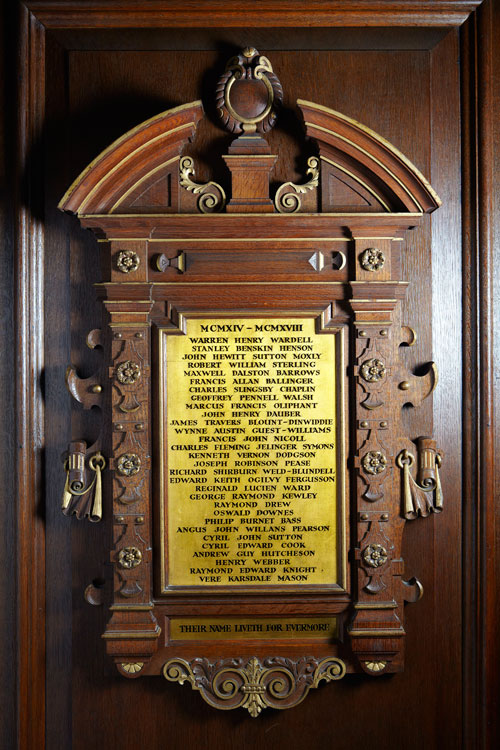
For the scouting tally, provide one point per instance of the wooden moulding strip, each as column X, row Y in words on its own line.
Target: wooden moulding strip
column 287, row 13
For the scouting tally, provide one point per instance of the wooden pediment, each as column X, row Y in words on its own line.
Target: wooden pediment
column 144, row 172
column 134, row 171
column 361, row 170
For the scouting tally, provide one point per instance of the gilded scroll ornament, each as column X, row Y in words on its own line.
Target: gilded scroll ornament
column 129, row 557
column 423, row 495
column 375, row 555
column 287, row 198
column 127, row 261
column 79, row 498
column 374, row 462
column 128, row 372
column 128, row 464
column 372, row 370
column 372, row 259
column 212, row 196
column 276, row 682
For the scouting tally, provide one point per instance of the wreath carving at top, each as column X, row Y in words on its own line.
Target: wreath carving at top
column 248, row 94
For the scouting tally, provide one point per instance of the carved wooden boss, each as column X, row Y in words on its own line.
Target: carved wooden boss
column 259, row 475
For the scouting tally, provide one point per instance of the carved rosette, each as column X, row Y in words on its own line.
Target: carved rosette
column 128, row 464
column 372, row 370
column 374, row 555
column 127, row 261
column 129, row 374
column 248, row 94
column 275, row 682
column 374, row 462
column 129, row 557
column 383, row 386
column 372, row 259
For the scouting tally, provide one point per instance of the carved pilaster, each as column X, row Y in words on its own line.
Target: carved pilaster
column 130, row 462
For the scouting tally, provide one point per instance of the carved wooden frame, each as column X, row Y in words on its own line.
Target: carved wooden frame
column 479, row 593
column 392, row 479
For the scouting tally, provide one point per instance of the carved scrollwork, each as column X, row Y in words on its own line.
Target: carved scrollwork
column 423, row 495
column 212, row 197
column 82, row 497
column 287, row 198
column 276, row 682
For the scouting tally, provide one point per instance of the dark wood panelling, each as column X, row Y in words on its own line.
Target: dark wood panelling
column 494, row 645
column 7, row 385
column 29, row 323
column 350, row 82
column 481, row 497
column 419, row 708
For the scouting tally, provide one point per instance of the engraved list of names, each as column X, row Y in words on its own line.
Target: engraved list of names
column 250, row 411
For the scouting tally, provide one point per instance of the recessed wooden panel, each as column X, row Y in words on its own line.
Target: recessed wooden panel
column 359, row 89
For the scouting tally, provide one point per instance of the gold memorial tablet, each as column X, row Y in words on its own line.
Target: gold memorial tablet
column 251, row 414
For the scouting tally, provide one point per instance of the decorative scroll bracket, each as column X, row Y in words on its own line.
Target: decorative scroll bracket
column 287, row 198
column 274, row 682
column 212, row 197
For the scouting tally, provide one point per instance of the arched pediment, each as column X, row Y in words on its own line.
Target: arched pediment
column 134, row 164
column 139, row 172
column 367, row 163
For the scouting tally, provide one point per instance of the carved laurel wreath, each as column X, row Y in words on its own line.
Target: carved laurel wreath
column 251, row 66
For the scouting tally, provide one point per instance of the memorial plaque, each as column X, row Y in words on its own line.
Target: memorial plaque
column 253, row 392
column 252, row 443
column 239, row 628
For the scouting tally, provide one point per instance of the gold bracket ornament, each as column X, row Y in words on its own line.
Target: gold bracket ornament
column 79, row 498
column 276, row 682
column 287, row 198
column 423, row 495
column 208, row 202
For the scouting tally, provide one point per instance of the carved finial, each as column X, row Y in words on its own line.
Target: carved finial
column 248, row 94
column 249, row 52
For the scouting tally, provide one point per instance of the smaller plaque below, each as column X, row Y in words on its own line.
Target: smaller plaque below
column 261, row 628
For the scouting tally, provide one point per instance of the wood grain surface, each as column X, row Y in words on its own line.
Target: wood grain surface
column 447, row 696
